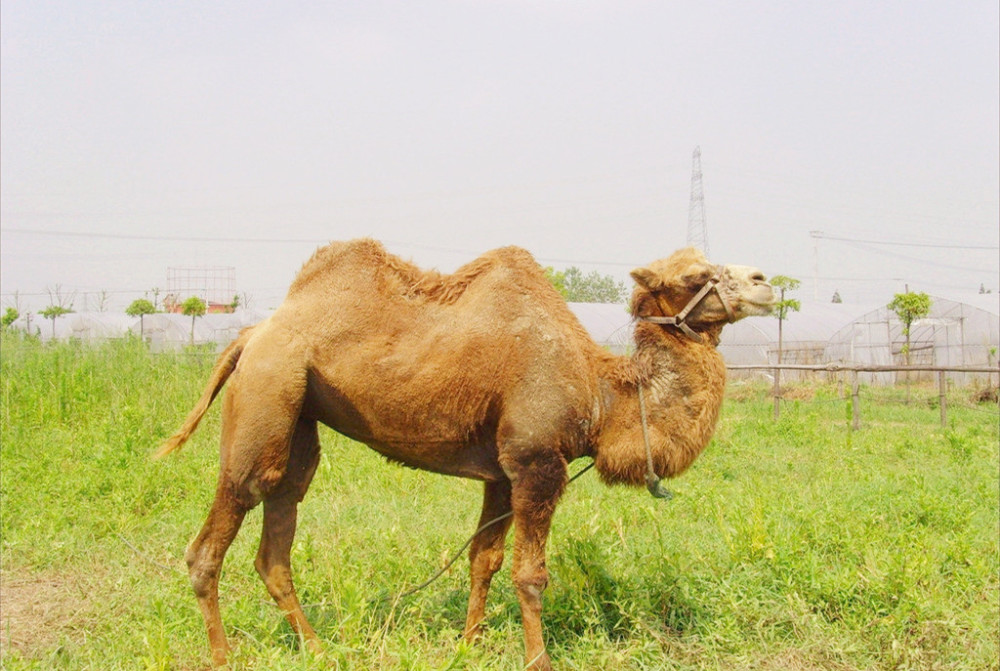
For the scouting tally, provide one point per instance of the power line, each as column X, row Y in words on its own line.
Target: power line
column 925, row 262
column 824, row 236
column 159, row 238
column 314, row 241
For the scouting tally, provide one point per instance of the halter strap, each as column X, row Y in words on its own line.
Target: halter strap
column 678, row 320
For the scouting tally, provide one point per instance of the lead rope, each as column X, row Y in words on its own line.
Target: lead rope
column 448, row 565
column 652, row 481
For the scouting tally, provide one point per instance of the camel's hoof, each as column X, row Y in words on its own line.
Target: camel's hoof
column 539, row 663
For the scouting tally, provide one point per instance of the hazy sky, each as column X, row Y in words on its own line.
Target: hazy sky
column 137, row 136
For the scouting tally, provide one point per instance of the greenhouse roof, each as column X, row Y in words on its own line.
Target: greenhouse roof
column 814, row 322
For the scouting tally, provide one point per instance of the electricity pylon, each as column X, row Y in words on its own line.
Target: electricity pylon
column 697, row 228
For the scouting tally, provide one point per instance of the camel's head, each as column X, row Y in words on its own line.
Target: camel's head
column 698, row 294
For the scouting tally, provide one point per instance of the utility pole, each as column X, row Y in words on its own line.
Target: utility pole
column 697, row 234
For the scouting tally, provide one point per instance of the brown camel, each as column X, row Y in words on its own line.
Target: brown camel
column 484, row 374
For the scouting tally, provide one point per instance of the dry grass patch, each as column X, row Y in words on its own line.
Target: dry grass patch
column 798, row 660
column 798, row 393
column 38, row 610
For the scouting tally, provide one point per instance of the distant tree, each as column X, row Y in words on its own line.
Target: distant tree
column 235, row 304
column 140, row 307
column 782, row 307
column 594, row 287
column 837, row 298
column 53, row 312
column 15, row 300
column 60, row 303
column 910, row 307
column 102, row 300
column 156, row 291
column 59, row 298
column 14, row 308
column 557, row 278
column 194, row 307
column 10, row 316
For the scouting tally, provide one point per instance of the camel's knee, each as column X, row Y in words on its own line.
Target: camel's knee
column 270, row 566
column 489, row 559
column 204, row 575
column 484, row 566
column 262, row 565
column 206, row 552
column 276, row 577
column 494, row 560
column 531, row 580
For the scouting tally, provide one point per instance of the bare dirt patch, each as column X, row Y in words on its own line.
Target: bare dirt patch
column 38, row 610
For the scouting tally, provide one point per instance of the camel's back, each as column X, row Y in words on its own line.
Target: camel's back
column 365, row 309
column 359, row 285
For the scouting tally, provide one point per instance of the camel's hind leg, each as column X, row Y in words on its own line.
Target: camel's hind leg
column 280, row 510
column 259, row 418
column 204, row 559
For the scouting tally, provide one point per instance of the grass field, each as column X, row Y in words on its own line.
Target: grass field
column 789, row 545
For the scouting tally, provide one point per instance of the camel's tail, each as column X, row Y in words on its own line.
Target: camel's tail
column 224, row 367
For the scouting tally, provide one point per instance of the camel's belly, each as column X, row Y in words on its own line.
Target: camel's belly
column 466, row 461
column 429, row 440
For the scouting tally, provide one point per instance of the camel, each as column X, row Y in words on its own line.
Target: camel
column 485, row 374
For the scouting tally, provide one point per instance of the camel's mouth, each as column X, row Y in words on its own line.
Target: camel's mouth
column 758, row 307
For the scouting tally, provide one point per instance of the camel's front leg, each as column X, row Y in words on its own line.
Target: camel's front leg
column 535, row 493
column 486, row 554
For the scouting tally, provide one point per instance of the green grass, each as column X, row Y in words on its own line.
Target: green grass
column 790, row 545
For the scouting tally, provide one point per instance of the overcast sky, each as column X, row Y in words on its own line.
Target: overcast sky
column 139, row 136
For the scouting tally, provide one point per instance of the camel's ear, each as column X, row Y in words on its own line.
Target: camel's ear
column 647, row 279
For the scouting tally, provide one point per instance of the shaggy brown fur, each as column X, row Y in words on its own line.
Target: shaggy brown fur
column 484, row 374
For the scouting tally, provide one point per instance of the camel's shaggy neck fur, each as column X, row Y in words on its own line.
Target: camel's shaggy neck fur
column 683, row 383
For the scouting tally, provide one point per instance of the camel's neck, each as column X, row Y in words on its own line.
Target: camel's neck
column 683, row 383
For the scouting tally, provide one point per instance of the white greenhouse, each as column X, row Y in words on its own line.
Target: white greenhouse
column 166, row 331
column 954, row 334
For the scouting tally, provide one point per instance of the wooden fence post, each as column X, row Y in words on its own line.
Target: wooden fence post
column 777, row 393
column 942, row 392
column 855, row 402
